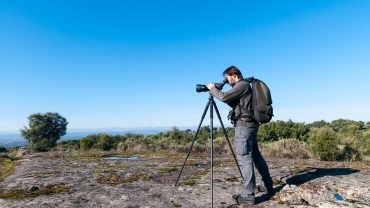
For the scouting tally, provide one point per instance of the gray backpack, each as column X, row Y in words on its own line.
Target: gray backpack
column 261, row 101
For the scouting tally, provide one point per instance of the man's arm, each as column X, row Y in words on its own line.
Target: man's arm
column 230, row 95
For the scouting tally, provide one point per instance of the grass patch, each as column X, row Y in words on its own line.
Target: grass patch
column 108, row 169
column 192, row 180
column 6, row 168
column 21, row 194
column 232, row 179
column 286, row 148
column 43, row 173
column 114, row 178
column 86, row 156
column 167, row 169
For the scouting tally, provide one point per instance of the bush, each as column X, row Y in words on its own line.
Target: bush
column 283, row 130
column 348, row 153
column 44, row 130
column 3, row 149
column 106, row 142
column 323, row 142
column 68, row 145
column 88, row 142
column 286, row 148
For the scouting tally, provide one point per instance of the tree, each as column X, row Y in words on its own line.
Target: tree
column 318, row 124
column 44, row 130
column 276, row 130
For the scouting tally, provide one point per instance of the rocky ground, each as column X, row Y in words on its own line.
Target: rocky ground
column 60, row 179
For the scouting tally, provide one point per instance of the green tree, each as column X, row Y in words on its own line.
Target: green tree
column 347, row 127
column 283, row 130
column 318, row 124
column 44, row 130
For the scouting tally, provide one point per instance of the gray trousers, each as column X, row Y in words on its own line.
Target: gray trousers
column 248, row 153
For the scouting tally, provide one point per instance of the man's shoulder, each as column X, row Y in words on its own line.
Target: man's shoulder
column 242, row 83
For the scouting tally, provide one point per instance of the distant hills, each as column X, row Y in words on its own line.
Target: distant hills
column 15, row 139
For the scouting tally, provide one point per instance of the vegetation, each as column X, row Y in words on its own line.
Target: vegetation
column 286, row 148
column 6, row 167
column 324, row 143
column 21, row 194
column 3, row 149
column 341, row 140
column 44, row 130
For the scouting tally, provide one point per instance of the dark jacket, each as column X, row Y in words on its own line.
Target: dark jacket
column 239, row 98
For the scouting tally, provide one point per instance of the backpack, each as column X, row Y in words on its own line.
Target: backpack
column 261, row 101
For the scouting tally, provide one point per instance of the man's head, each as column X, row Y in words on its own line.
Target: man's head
column 233, row 75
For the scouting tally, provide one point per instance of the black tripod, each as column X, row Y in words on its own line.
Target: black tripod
column 211, row 103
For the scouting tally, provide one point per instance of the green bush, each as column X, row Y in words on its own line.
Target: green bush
column 323, row 142
column 276, row 130
column 88, row 142
column 318, row 124
column 68, row 145
column 348, row 153
column 3, row 149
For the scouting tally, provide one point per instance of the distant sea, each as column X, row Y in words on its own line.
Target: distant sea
column 13, row 140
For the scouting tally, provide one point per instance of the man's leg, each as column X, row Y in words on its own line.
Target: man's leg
column 244, row 148
column 262, row 167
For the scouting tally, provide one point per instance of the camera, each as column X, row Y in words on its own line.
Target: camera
column 204, row 88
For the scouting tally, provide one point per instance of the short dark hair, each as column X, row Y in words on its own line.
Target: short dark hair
column 233, row 70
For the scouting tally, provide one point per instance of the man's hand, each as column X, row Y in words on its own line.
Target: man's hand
column 210, row 86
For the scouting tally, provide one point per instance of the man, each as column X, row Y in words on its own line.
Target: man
column 239, row 98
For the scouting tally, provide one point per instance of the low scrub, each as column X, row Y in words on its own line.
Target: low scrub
column 6, row 167
column 324, row 143
column 286, row 148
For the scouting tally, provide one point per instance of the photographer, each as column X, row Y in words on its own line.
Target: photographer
column 239, row 98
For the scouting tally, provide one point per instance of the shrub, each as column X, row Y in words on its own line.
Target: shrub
column 88, row 142
column 323, row 142
column 286, row 148
column 3, row 149
column 106, row 142
column 68, row 145
column 283, row 130
column 348, row 153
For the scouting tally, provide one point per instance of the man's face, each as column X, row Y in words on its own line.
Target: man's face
column 231, row 79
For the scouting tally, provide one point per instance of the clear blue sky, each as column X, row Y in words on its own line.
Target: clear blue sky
column 126, row 64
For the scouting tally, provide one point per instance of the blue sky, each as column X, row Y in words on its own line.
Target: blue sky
column 135, row 64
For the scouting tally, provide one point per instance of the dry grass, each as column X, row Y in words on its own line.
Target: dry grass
column 286, row 148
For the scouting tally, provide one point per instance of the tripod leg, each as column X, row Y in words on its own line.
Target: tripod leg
column 195, row 136
column 227, row 138
column 211, row 116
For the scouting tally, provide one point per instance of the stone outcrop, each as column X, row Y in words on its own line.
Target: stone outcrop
column 59, row 179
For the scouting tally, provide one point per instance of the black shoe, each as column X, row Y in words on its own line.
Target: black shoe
column 262, row 188
column 242, row 200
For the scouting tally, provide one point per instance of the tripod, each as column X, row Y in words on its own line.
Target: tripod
column 211, row 103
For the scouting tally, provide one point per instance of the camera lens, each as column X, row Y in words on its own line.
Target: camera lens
column 201, row 88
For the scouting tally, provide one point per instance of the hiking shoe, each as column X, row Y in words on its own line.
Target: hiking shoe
column 262, row 188
column 244, row 200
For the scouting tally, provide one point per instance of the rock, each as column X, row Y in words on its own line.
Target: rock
column 22, row 151
column 33, row 189
column 75, row 182
column 310, row 193
column 290, row 195
column 358, row 194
